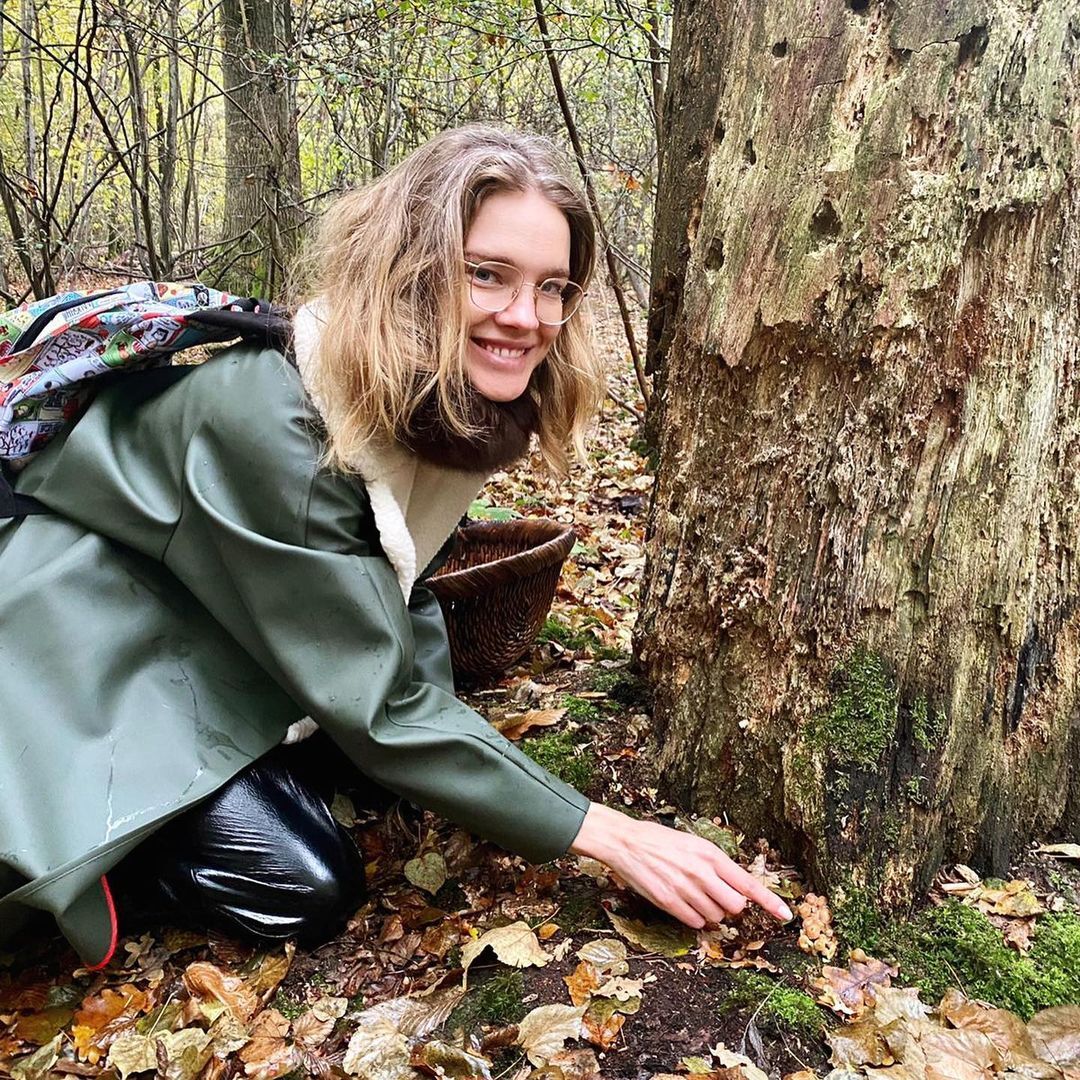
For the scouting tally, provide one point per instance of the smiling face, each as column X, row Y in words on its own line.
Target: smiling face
column 504, row 348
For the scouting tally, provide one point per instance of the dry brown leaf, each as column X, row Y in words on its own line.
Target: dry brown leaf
column 850, row 991
column 215, row 991
column 607, row 955
column 1055, row 1034
column 732, row 1061
column 379, row 1048
column 513, row 727
column 440, row 1059
column 1016, row 899
column 101, row 1018
column 515, row 945
column 898, row 1003
column 576, row 1064
column 582, row 982
column 962, row 1054
column 857, row 1044
column 1005, row 1029
column 437, row 940
column 269, row 1053
column 1060, row 851
column 602, row 1030
column 545, row 1030
column 310, row 1032
column 273, row 967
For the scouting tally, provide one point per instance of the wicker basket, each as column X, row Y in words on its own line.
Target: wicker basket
column 496, row 590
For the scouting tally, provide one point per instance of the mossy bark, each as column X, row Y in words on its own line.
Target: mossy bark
column 861, row 613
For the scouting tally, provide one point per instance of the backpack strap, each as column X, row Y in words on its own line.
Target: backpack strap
column 29, row 335
column 14, row 505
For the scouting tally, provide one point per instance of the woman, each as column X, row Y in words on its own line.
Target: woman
column 237, row 547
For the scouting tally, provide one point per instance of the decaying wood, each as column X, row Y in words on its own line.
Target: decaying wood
column 866, row 326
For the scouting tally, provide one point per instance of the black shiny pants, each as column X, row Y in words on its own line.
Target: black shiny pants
column 263, row 857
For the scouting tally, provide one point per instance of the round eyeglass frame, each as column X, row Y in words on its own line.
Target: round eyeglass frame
column 536, row 286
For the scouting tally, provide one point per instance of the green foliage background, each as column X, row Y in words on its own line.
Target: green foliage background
column 112, row 115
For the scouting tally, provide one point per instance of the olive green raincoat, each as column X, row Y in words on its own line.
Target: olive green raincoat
column 203, row 584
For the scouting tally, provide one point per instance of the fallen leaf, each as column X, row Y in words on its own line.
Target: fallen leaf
column 850, row 991
column 898, row 1003
column 620, row 989
column 1016, row 899
column 176, row 1055
column 602, row 1027
column 443, row 1060
column 576, row 1064
column 102, row 1017
column 36, row 1066
column 272, row 968
column 857, row 1044
column 1060, row 851
column 581, row 983
column 545, row 1030
column 513, row 727
column 42, row 1027
column 961, row 1054
column 729, row 1060
column 668, row 939
column 515, row 945
column 1055, row 1034
column 379, row 1048
column 607, row 955
column 1005, row 1029
column 428, row 872
column 215, row 991
column 269, row 1053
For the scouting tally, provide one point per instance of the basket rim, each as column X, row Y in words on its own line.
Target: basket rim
column 471, row 581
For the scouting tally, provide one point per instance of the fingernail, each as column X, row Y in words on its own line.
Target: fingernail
column 785, row 913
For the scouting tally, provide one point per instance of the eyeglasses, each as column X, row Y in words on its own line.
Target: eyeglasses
column 494, row 286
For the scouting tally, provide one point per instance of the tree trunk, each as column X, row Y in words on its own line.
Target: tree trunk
column 861, row 613
column 262, row 171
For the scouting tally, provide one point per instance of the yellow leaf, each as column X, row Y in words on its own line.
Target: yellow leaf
column 515, row 945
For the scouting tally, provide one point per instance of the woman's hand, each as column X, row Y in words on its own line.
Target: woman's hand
column 687, row 876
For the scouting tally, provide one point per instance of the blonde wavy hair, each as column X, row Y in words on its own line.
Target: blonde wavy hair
column 387, row 265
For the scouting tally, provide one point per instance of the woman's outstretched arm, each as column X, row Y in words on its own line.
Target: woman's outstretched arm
column 687, row 876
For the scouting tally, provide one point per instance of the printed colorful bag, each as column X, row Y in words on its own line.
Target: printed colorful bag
column 51, row 350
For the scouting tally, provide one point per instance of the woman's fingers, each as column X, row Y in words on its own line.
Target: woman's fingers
column 684, row 874
column 750, row 887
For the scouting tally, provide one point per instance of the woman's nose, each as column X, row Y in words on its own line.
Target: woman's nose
column 522, row 312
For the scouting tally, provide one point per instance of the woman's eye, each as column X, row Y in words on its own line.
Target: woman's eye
column 484, row 275
column 553, row 288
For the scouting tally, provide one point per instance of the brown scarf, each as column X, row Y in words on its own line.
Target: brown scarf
column 503, row 430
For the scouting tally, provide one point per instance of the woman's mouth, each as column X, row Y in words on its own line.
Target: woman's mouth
column 499, row 353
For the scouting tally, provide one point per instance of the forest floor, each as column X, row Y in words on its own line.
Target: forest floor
column 468, row 962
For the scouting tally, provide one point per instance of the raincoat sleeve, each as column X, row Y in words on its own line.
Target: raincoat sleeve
column 272, row 545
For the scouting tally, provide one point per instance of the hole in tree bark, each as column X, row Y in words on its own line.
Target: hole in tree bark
column 825, row 224
column 972, row 46
column 858, row 6
column 748, row 152
column 697, row 150
column 779, row 50
column 718, row 132
column 714, row 258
